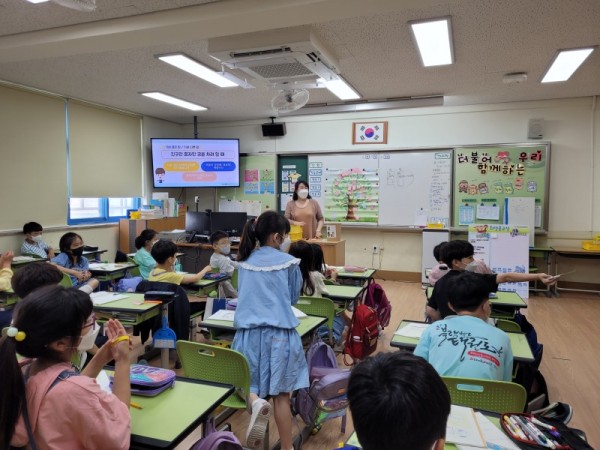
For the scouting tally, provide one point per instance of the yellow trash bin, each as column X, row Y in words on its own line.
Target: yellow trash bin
column 296, row 232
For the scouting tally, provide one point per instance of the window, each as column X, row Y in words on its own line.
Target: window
column 100, row 209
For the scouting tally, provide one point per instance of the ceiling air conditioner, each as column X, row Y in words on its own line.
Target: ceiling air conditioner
column 276, row 56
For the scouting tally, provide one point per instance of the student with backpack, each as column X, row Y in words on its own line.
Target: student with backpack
column 44, row 403
column 269, row 282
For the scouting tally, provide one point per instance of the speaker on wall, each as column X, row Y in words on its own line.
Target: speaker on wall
column 273, row 129
column 535, row 129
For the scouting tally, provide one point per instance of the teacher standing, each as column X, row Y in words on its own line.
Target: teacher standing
column 305, row 211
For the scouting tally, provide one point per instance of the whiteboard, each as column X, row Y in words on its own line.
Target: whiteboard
column 415, row 187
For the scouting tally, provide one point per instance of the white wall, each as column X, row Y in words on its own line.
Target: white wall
column 571, row 127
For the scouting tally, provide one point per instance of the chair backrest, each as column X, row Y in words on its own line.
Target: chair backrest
column 66, row 280
column 218, row 364
column 508, row 325
column 234, row 279
column 490, row 395
column 135, row 271
column 318, row 306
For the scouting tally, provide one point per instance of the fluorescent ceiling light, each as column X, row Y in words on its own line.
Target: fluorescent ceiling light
column 187, row 64
column 434, row 41
column 566, row 63
column 38, row 1
column 174, row 101
column 340, row 89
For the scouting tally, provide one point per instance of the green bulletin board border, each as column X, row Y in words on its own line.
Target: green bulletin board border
column 507, row 173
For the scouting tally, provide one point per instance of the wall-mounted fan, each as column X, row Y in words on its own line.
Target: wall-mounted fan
column 289, row 100
column 79, row 5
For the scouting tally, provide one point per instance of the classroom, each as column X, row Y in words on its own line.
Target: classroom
column 74, row 125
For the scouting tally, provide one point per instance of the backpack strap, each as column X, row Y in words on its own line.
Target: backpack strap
column 61, row 376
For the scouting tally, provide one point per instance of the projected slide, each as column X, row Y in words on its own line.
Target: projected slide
column 195, row 163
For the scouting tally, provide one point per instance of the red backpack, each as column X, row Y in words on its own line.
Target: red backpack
column 364, row 331
column 377, row 300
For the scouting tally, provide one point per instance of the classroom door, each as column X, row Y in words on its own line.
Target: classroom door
column 289, row 170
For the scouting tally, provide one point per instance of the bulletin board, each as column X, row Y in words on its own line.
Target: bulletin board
column 396, row 188
column 257, row 182
column 485, row 176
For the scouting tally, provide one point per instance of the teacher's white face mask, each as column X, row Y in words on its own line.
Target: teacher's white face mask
column 303, row 193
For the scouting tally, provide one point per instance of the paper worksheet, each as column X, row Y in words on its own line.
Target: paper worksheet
column 412, row 330
column 102, row 297
column 463, row 429
column 223, row 314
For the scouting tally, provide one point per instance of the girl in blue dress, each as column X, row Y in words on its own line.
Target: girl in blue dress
column 269, row 283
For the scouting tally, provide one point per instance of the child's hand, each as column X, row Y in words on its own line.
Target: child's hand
column 118, row 346
column 6, row 259
column 206, row 270
column 333, row 274
column 548, row 280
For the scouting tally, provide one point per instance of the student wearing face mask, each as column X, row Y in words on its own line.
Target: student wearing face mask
column 269, row 282
column 458, row 256
column 464, row 344
column 71, row 261
column 221, row 260
column 48, row 404
column 34, row 243
column 303, row 210
column 143, row 258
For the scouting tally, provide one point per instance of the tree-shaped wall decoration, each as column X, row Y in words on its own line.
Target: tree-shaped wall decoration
column 353, row 191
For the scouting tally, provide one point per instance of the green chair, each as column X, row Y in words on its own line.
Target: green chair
column 489, row 395
column 66, row 281
column 508, row 325
column 318, row 306
column 134, row 271
column 234, row 279
column 217, row 364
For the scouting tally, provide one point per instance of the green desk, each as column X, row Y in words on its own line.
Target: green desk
column 110, row 271
column 171, row 416
column 8, row 300
column 203, row 286
column 130, row 311
column 20, row 261
column 511, row 299
column 356, row 278
column 518, row 343
column 494, row 418
column 306, row 326
column 344, row 294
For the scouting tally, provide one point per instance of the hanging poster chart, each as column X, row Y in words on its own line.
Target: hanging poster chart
column 290, row 170
column 521, row 211
column 415, row 188
column 485, row 176
column 257, row 186
column 504, row 248
column 348, row 190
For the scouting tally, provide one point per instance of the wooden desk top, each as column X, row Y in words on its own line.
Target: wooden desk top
column 566, row 251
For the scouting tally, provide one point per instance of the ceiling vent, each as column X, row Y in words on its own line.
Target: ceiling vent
column 276, row 56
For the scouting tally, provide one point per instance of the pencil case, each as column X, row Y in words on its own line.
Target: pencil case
column 536, row 432
column 215, row 276
column 149, row 381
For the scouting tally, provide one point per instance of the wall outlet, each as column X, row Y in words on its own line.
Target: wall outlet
column 375, row 249
column 196, row 199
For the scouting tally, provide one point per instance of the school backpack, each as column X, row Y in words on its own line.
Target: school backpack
column 377, row 300
column 217, row 440
column 362, row 337
column 326, row 397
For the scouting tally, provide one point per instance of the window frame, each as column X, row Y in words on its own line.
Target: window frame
column 104, row 216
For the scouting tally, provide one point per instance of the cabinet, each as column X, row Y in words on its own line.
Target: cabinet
column 129, row 229
column 334, row 252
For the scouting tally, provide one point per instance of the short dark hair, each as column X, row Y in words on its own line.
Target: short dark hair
column 457, row 249
column 437, row 250
column 467, row 291
column 296, row 185
column 32, row 227
column 33, row 276
column 145, row 236
column 66, row 240
column 398, row 401
column 163, row 250
column 217, row 236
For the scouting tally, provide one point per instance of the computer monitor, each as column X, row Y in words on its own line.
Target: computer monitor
column 197, row 222
column 230, row 222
